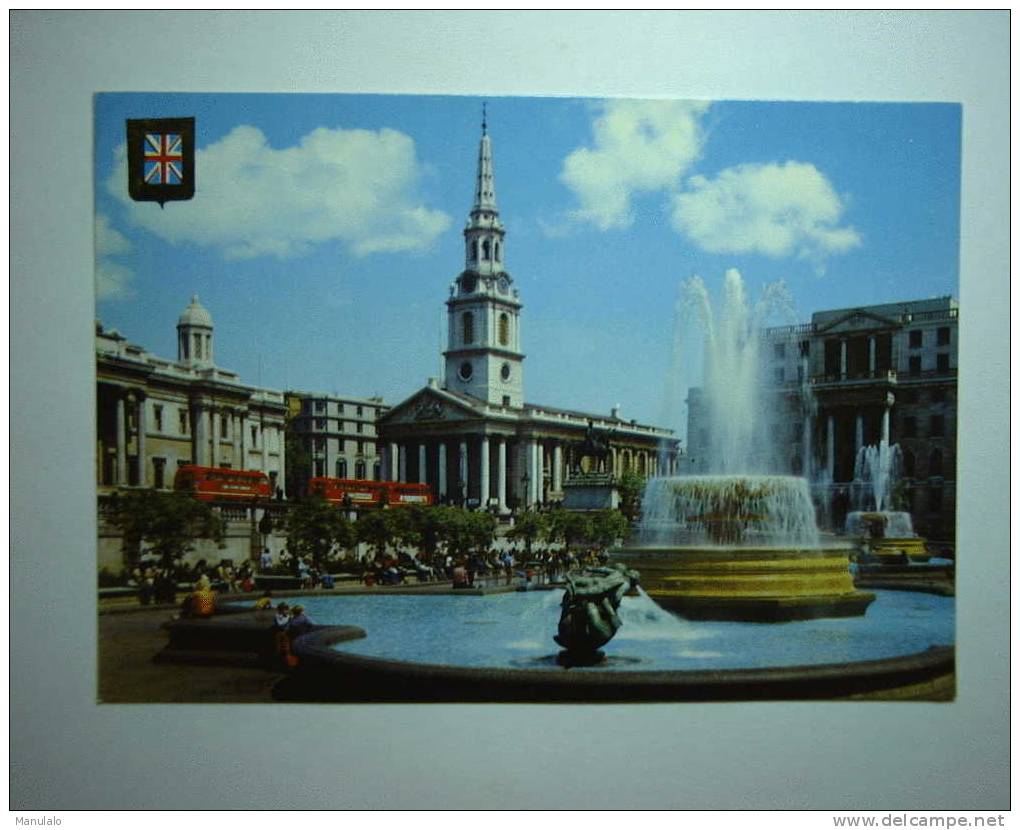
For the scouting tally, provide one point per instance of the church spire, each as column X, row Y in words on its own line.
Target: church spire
column 484, row 231
column 485, row 185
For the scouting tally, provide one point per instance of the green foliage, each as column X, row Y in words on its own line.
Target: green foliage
column 568, row 527
column 607, row 526
column 377, row 528
column 528, row 526
column 630, row 485
column 167, row 522
column 297, row 465
column 316, row 529
column 467, row 531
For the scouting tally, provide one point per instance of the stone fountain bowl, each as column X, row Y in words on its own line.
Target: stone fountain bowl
column 751, row 583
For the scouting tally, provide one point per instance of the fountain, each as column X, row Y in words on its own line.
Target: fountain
column 738, row 541
column 887, row 535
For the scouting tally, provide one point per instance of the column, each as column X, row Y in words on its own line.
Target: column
column 557, row 482
column 121, row 441
column 462, row 470
column 871, row 355
column 281, row 479
column 238, row 428
column 885, row 418
column 442, row 470
column 483, row 472
column 422, row 465
column 394, row 468
column 830, row 447
column 529, row 467
column 214, row 435
column 842, row 358
column 501, row 473
column 384, row 462
column 402, row 462
column 539, row 472
column 143, row 474
column 201, row 444
column 858, row 434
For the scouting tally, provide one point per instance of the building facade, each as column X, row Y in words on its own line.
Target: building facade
column 155, row 414
column 852, row 378
column 337, row 435
column 471, row 435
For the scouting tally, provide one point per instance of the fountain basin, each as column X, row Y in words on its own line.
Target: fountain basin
column 499, row 648
column 753, row 584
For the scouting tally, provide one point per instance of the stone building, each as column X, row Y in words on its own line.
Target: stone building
column 472, row 435
column 853, row 377
column 155, row 414
column 337, row 434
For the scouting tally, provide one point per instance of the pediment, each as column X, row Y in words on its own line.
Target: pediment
column 858, row 320
column 430, row 405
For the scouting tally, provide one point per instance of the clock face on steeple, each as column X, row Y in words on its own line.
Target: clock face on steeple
column 469, row 283
column 503, row 285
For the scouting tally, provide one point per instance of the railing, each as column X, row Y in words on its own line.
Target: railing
column 887, row 375
column 937, row 314
column 798, row 328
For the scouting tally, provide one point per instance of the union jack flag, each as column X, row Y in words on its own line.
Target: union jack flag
column 164, row 158
column 161, row 159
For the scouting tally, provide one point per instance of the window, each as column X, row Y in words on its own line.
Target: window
column 496, row 248
column 254, row 436
column 223, row 426
column 504, row 329
column 909, row 426
column 182, row 416
column 359, row 469
column 779, row 351
column 157, row 415
column 339, row 409
column 942, row 362
column 320, row 423
column 466, row 370
column 158, row 476
column 320, row 406
column 916, row 339
column 341, row 468
column 915, row 365
column 320, row 444
column 938, row 426
column 467, row 322
column 485, row 250
column 361, row 447
column 320, row 467
column 935, row 464
column 506, row 400
column 805, row 348
column 198, row 346
column 359, row 426
column 942, row 336
column 800, row 373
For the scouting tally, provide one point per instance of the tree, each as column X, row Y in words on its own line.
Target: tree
column 607, row 526
column 297, row 465
column 167, row 522
column 377, row 528
column 315, row 528
column 630, row 485
column 529, row 526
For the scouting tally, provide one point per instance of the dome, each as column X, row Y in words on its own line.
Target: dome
column 195, row 315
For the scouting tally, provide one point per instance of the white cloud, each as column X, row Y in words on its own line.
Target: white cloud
column 639, row 146
column 112, row 278
column 779, row 210
column 355, row 186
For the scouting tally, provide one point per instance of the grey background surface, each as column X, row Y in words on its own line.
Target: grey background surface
column 68, row 752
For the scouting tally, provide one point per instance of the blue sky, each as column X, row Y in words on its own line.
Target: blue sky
column 325, row 229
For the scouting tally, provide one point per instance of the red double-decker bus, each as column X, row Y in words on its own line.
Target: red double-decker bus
column 365, row 493
column 212, row 483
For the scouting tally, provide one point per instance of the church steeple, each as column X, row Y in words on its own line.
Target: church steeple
column 483, row 356
column 483, row 235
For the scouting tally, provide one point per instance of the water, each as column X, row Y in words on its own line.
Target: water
column 728, row 510
column 895, row 524
column 876, row 471
column 515, row 631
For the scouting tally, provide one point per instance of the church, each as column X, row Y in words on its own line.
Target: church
column 472, row 436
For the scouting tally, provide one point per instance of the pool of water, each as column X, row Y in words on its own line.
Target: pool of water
column 516, row 630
